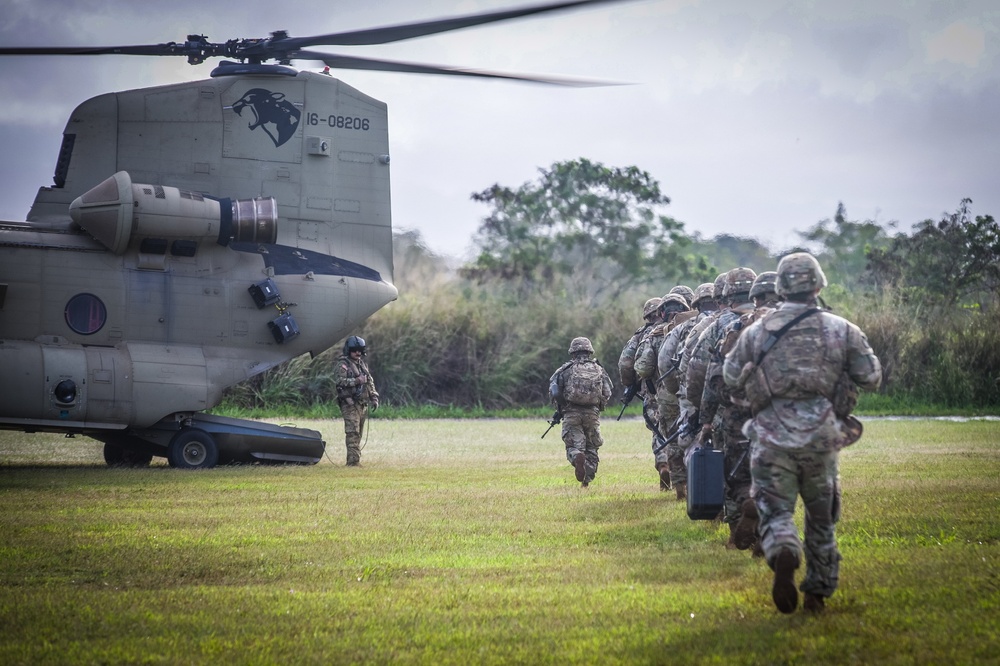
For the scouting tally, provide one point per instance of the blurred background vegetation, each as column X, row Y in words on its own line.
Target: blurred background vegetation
column 578, row 251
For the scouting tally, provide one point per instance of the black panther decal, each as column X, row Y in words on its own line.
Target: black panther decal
column 270, row 111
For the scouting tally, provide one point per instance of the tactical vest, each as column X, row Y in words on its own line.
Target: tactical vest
column 808, row 361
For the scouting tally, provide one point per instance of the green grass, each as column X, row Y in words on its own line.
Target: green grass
column 468, row 541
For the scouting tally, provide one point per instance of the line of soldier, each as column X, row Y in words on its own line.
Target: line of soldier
column 710, row 371
column 748, row 364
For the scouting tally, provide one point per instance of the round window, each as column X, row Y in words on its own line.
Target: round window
column 86, row 314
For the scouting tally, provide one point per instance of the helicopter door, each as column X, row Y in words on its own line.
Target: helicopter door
column 109, row 383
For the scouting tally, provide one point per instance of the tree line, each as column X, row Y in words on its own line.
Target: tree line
column 578, row 250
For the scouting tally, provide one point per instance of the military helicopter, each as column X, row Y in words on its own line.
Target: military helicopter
column 198, row 234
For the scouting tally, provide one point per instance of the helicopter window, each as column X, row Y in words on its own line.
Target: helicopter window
column 86, row 314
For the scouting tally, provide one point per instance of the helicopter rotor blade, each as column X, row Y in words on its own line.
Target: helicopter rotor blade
column 351, row 62
column 146, row 49
column 395, row 33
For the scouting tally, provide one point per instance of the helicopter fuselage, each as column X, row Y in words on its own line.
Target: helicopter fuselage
column 196, row 235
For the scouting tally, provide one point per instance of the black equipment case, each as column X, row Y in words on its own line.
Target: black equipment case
column 706, row 484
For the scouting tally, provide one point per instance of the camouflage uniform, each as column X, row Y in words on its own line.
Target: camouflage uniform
column 796, row 432
column 581, row 423
column 663, row 403
column 626, row 364
column 667, row 367
column 721, row 419
column 354, row 396
column 693, row 380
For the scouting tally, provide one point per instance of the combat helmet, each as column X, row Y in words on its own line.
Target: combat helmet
column 704, row 291
column 719, row 286
column 738, row 281
column 650, row 306
column 764, row 284
column 685, row 291
column 673, row 303
column 355, row 343
column 581, row 344
column 799, row 273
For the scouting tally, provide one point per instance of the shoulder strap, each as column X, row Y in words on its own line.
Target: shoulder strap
column 773, row 338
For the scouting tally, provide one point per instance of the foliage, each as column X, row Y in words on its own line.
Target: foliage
column 583, row 225
column 470, row 542
column 843, row 246
column 943, row 264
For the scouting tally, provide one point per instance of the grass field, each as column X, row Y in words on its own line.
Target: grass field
column 469, row 542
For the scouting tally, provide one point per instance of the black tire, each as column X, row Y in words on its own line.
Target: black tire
column 192, row 448
column 118, row 454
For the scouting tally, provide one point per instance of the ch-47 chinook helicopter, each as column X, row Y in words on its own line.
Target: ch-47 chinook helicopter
column 197, row 235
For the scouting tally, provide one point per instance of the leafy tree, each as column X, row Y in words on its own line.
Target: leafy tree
column 845, row 245
column 599, row 226
column 726, row 251
column 946, row 263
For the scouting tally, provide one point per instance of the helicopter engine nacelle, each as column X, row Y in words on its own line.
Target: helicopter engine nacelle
column 118, row 211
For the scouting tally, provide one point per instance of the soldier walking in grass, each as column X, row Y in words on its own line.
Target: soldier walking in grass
column 664, row 409
column 800, row 367
column 722, row 420
column 580, row 390
column 355, row 394
column 669, row 381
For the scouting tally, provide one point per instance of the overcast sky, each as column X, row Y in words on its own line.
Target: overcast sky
column 756, row 116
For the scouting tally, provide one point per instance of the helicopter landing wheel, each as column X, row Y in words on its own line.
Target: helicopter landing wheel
column 192, row 448
column 117, row 454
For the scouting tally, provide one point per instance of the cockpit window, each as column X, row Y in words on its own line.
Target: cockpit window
column 86, row 314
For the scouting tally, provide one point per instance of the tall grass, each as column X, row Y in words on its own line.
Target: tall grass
column 466, row 542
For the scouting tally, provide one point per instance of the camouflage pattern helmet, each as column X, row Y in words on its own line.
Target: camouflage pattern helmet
column 581, row 345
column 355, row 343
column 765, row 283
column 674, row 303
column 704, row 291
column 799, row 273
column 719, row 286
column 649, row 308
column 738, row 281
column 684, row 291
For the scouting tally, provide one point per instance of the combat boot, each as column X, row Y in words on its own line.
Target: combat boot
column 783, row 592
column 746, row 528
column 580, row 467
column 681, row 491
column 813, row 603
column 664, row 476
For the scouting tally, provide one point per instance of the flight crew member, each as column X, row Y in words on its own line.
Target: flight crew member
column 355, row 394
column 800, row 367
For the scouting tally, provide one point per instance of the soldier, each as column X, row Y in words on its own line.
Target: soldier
column 800, row 367
column 663, row 405
column 355, row 393
column 626, row 362
column 721, row 420
column 685, row 291
column 667, row 363
column 626, row 366
column 580, row 390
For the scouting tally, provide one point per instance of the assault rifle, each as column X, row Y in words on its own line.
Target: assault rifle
column 627, row 396
column 556, row 420
column 689, row 427
column 672, row 369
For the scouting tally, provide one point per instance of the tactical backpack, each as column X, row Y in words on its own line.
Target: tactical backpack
column 584, row 383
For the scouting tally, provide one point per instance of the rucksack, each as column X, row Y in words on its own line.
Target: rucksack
column 583, row 383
